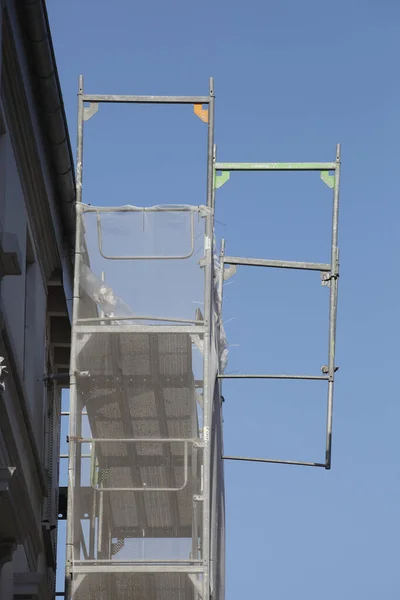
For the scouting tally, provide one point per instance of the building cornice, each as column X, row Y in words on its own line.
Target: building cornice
column 22, row 137
column 34, row 23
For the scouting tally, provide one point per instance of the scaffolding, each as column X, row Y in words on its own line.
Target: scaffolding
column 330, row 175
column 145, row 481
column 145, row 508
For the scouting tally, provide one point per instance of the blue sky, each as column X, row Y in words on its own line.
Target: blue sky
column 291, row 79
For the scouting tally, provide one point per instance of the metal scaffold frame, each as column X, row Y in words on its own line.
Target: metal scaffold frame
column 74, row 565
column 329, row 276
column 198, row 450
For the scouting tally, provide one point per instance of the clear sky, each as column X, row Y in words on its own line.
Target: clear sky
column 291, row 79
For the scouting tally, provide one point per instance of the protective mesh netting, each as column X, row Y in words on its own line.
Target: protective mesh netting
column 137, row 586
column 140, row 408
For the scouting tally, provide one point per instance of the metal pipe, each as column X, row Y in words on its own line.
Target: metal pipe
column 275, row 461
column 146, row 99
column 189, row 208
column 222, row 263
column 195, row 520
column 138, row 568
column 256, row 376
column 100, row 524
column 106, row 561
column 143, row 318
column 277, row 264
column 82, row 456
column 214, row 174
column 92, row 533
column 72, row 553
column 79, row 150
column 137, row 440
column 194, row 329
column 317, row 166
column 333, row 309
column 207, row 411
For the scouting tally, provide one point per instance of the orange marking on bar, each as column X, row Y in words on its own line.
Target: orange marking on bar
column 201, row 112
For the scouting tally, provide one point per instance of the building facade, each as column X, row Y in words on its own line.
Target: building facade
column 37, row 194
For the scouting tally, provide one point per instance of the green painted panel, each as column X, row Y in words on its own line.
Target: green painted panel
column 221, row 179
column 328, row 179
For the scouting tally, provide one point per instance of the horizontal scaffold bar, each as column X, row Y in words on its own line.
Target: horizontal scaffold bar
column 146, row 99
column 304, row 166
column 188, row 208
column 136, row 440
column 133, row 318
column 256, row 376
column 81, row 456
column 99, row 567
column 276, row 264
column 116, row 328
column 142, row 561
column 276, row 461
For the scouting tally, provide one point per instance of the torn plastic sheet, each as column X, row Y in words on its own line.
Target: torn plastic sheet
column 104, row 296
column 222, row 344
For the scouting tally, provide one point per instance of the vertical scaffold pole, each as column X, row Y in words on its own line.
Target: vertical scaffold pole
column 207, row 383
column 333, row 309
column 72, row 550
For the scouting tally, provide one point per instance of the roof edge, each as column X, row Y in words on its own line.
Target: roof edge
column 50, row 99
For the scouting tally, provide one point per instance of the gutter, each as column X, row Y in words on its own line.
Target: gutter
column 35, row 24
column 37, row 30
